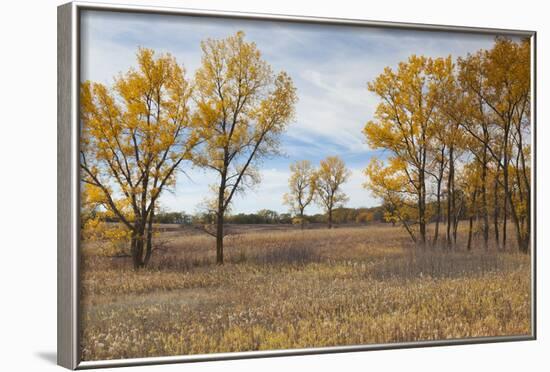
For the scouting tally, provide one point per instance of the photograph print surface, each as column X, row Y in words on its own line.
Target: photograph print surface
column 263, row 185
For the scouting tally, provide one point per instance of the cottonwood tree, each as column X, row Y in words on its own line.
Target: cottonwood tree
column 435, row 114
column 134, row 136
column 498, row 79
column 242, row 109
column 448, row 142
column 302, row 187
column 477, row 121
column 329, row 178
column 404, row 124
column 440, row 162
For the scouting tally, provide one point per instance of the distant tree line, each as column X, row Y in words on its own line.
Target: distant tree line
column 340, row 215
column 180, row 218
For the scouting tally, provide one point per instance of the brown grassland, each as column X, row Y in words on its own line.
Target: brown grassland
column 285, row 288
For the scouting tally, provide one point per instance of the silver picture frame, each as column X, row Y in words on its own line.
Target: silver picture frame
column 68, row 225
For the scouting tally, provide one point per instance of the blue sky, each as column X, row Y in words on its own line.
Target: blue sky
column 330, row 66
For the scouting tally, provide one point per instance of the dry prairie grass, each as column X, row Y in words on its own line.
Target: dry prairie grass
column 294, row 289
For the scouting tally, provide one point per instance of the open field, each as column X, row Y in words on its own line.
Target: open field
column 286, row 288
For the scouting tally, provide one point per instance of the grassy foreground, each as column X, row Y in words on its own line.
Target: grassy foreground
column 287, row 288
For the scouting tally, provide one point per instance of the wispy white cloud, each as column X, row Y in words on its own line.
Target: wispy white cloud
column 330, row 66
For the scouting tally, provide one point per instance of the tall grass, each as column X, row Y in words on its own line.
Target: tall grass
column 294, row 289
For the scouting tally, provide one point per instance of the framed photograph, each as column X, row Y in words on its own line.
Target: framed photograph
column 236, row 185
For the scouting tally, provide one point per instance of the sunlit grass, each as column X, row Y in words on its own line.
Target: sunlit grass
column 294, row 289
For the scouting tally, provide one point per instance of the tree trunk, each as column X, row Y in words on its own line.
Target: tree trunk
column 484, row 210
column 471, row 221
column 422, row 209
column 455, row 229
column 456, row 219
column 422, row 180
column 449, row 222
column 133, row 250
column 522, row 239
column 507, row 193
column 219, row 219
column 527, row 236
column 438, row 213
column 149, row 247
column 496, row 211
column 449, row 193
column 137, row 247
column 219, row 239
column 330, row 218
column 438, row 200
column 505, row 222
